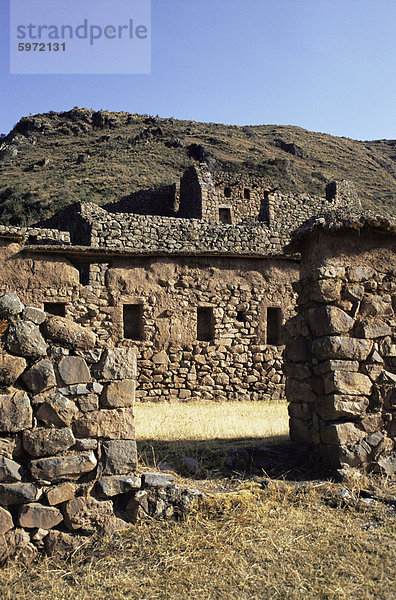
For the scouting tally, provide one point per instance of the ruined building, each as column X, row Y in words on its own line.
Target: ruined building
column 192, row 275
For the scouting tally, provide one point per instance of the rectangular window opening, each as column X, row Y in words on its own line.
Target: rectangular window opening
column 225, row 216
column 83, row 272
column 133, row 321
column 274, row 323
column 57, row 309
column 241, row 316
column 246, row 194
column 205, row 324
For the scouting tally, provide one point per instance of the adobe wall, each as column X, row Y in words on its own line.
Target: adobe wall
column 340, row 358
column 236, row 364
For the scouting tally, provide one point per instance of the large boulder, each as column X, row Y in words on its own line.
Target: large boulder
column 119, row 394
column 345, row 382
column 119, row 457
column 326, row 320
column 67, row 332
column 341, row 348
column 341, row 434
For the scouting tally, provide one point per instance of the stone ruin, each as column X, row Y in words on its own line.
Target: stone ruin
column 68, row 459
column 340, row 356
column 192, row 276
column 182, row 305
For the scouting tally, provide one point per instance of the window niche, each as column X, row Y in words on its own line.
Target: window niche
column 241, row 316
column 132, row 315
column 205, row 324
column 225, row 215
column 58, row 309
column 227, row 192
column 274, row 323
column 83, row 272
column 246, row 194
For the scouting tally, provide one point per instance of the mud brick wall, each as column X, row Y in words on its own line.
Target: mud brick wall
column 340, row 357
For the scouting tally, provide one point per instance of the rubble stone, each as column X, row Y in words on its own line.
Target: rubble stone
column 24, row 339
column 16, row 413
column 40, row 376
column 37, row 515
column 47, row 442
column 11, row 367
column 63, row 467
column 73, row 369
column 119, row 394
column 119, row 457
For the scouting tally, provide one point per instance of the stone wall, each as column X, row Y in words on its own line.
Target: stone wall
column 161, row 201
column 68, row 460
column 340, row 358
column 239, row 362
column 35, row 235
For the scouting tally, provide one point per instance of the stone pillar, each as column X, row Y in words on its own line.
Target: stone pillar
column 340, row 356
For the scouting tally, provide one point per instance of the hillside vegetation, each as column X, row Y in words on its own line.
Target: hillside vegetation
column 50, row 160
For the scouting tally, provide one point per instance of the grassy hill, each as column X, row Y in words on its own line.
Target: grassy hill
column 48, row 161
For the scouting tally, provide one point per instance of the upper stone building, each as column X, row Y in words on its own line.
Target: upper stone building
column 193, row 275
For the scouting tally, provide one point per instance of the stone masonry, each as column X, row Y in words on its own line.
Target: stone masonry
column 105, row 268
column 68, row 459
column 340, row 357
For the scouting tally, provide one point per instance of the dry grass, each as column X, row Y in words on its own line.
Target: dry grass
column 210, row 420
column 284, row 542
column 206, row 430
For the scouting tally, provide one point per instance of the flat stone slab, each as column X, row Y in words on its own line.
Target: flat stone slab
column 38, row 516
column 116, row 424
column 9, row 470
column 11, row 367
column 16, row 412
column 107, row 487
column 73, row 369
column 47, row 442
column 60, row 467
column 156, row 480
column 18, row 493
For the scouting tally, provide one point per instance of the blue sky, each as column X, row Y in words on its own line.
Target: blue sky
column 325, row 65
